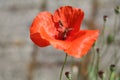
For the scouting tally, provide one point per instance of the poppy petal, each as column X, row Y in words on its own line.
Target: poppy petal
column 82, row 43
column 42, row 32
column 35, row 34
column 46, row 21
column 36, row 38
column 70, row 17
column 59, row 44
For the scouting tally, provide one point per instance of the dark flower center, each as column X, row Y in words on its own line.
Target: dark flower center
column 63, row 32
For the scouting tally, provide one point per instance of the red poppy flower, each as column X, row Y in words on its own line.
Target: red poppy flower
column 62, row 30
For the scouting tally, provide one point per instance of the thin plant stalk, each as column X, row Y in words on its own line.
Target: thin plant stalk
column 97, row 65
column 115, row 25
column 112, row 76
column 102, row 40
column 103, row 31
column 119, row 76
column 92, row 69
column 61, row 72
column 114, row 34
column 93, row 59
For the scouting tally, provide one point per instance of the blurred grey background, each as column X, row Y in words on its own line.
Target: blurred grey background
column 18, row 54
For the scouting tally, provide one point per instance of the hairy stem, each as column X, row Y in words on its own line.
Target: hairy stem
column 61, row 72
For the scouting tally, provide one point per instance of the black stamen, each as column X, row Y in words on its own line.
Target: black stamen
column 60, row 23
column 63, row 32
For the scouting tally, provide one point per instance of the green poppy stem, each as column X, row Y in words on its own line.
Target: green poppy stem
column 112, row 76
column 61, row 72
column 114, row 35
column 97, row 65
column 103, row 31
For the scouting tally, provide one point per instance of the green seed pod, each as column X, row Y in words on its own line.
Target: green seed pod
column 68, row 75
column 98, row 50
column 110, row 39
column 105, row 17
column 100, row 73
column 112, row 67
column 117, row 10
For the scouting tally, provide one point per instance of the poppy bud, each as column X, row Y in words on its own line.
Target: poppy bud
column 110, row 39
column 112, row 70
column 98, row 50
column 105, row 17
column 112, row 67
column 68, row 75
column 100, row 73
column 117, row 10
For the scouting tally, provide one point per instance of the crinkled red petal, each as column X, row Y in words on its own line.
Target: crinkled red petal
column 82, row 42
column 59, row 44
column 42, row 32
column 70, row 17
column 36, row 38
column 35, row 34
